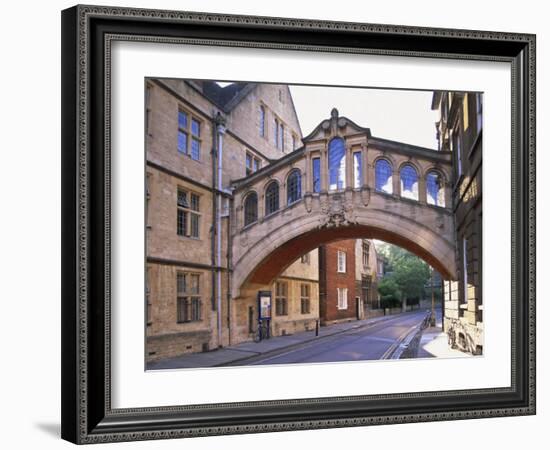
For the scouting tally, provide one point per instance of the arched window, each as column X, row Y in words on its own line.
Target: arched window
column 383, row 176
column 409, row 182
column 435, row 189
column 294, row 187
column 337, row 164
column 271, row 198
column 251, row 208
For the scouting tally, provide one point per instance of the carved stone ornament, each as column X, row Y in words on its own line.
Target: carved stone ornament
column 365, row 196
column 336, row 211
column 308, row 201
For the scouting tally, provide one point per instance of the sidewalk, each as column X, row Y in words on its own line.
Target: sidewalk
column 434, row 344
column 245, row 350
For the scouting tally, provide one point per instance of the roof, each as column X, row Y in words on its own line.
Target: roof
column 226, row 97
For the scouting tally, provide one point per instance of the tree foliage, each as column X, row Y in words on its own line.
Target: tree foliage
column 390, row 295
column 407, row 272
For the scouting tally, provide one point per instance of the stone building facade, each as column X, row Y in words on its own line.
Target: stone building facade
column 200, row 137
column 459, row 130
column 238, row 201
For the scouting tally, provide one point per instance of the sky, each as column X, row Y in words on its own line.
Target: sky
column 399, row 115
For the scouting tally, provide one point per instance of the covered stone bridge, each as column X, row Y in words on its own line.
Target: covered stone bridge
column 343, row 183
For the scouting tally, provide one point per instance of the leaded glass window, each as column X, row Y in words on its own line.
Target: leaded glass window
column 316, row 170
column 262, row 121
column 357, row 170
column 337, row 164
column 272, row 198
column 409, row 182
column 435, row 189
column 383, row 176
column 188, row 297
column 294, row 187
column 251, row 209
column 189, row 128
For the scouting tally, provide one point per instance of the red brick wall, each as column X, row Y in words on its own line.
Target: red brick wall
column 330, row 280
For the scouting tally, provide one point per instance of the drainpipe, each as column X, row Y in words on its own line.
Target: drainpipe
column 220, row 131
column 229, row 269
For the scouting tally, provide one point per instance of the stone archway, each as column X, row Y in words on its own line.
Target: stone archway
column 283, row 242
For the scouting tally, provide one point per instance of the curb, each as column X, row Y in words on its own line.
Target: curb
column 404, row 347
column 297, row 344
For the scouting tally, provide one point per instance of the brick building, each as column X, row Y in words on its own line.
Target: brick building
column 337, row 290
column 459, row 130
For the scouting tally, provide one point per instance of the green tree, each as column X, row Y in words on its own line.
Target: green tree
column 390, row 295
column 407, row 271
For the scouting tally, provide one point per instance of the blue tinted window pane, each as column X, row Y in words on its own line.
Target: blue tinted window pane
column 195, row 149
column 316, row 174
column 272, row 198
column 383, row 176
column 294, row 187
column 195, row 127
column 337, row 164
column 262, row 121
column 182, row 142
column 357, row 170
column 182, row 120
column 435, row 194
column 409, row 182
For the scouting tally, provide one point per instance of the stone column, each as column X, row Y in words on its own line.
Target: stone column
column 324, row 170
column 365, row 168
column 448, row 195
column 422, row 194
column 309, row 173
column 349, row 167
column 396, row 181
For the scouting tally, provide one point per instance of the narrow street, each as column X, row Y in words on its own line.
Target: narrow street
column 370, row 342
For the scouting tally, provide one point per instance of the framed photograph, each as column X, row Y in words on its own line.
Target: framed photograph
column 281, row 224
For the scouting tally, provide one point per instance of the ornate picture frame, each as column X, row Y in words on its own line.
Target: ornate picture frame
column 88, row 33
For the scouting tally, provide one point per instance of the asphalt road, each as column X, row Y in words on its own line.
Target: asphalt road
column 366, row 343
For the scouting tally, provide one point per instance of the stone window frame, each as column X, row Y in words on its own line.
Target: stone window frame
column 357, row 158
column 293, row 194
column 262, row 127
column 405, row 166
column 316, row 188
column 190, row 136
column 270, row 197
column 457, row 147
column 305, row 298
column 378, row 161
column 281, row 298
column 343, row 178
column 250, row 215
column 443, row 182
column 365, row 249
column 188, row 213
column 255, row 163
column 188, row 303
